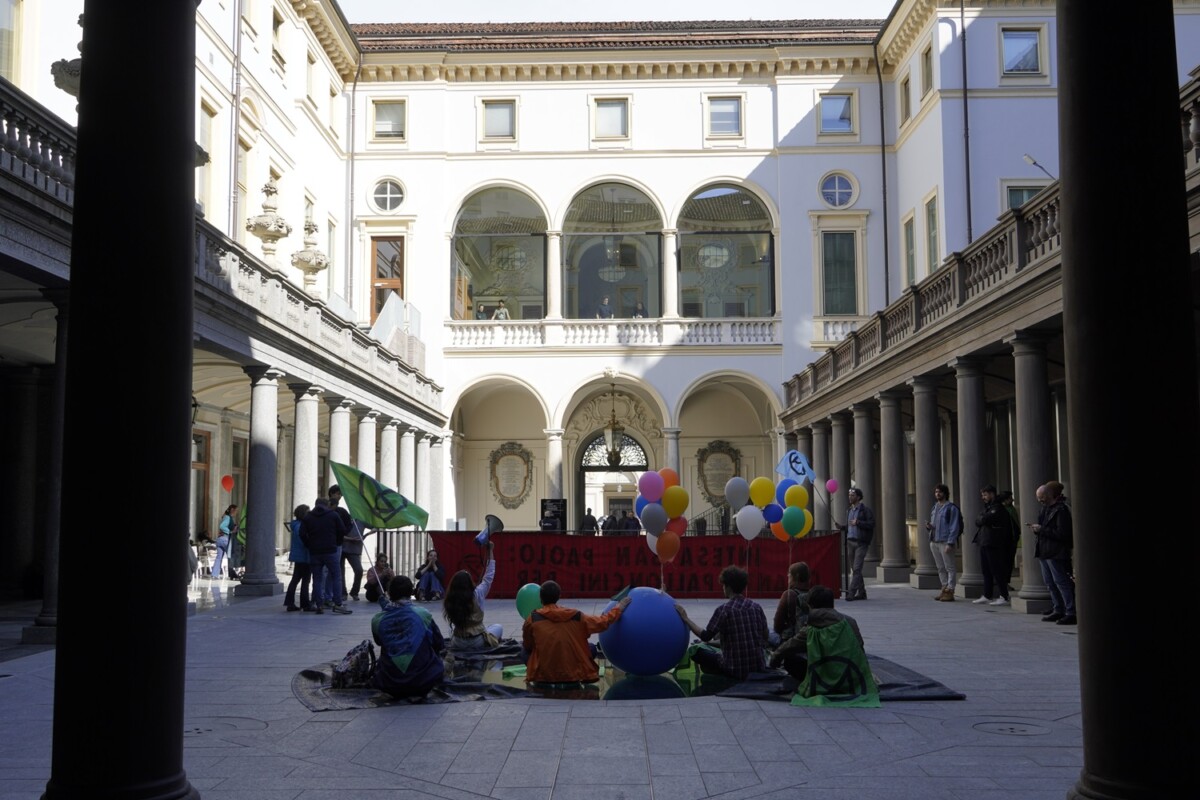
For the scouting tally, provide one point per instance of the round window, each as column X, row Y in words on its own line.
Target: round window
column 836, row 190
column 388, row 195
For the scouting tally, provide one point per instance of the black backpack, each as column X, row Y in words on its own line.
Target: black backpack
column 356, row 667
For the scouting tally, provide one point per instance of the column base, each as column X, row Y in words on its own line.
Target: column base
column 245, row 589
column 924, row 581
column 39, row 634
column 886, row 574
column 870, row 569
column 1035, row 605
column 968, row 591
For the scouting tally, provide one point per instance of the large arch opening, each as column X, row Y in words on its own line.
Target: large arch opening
column 498, row 254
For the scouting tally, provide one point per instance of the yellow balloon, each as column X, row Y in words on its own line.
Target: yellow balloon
column 674, row 501
column 796, row 496
column 762, row 491
column 808, row 523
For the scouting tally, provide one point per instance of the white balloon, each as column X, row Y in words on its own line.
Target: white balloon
column 737, row 492
column 652, row 542
column 654, row 518
column 749, row 521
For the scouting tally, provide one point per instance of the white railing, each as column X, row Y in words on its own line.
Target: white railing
column 596, row 333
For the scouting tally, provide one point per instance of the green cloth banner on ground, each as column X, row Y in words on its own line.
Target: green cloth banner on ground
column 838, row 672
column 375, row 505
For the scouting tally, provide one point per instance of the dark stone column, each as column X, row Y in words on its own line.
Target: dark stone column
column 1120, row 263
column 105, row 744
column 972, row 474
column 839, row 465
column 890, row 518
column 928, row 468
column 820, row 465
column 866, row 464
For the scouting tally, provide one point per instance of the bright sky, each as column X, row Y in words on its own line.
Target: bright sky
column 609, row 10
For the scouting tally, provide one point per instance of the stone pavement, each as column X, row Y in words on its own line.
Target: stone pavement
column 246, row 737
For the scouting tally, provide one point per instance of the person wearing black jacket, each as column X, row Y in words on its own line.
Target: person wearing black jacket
column 321, row 530
column 995, row 536
column 1055, row 540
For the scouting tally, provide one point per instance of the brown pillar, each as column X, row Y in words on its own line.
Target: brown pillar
column 105, row 745
column 1117, row 266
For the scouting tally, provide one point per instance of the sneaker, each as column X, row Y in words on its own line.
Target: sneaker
column 1068, row 619
column 981, row 600
column 999, row 601
column 341, row 609
column 1053, row 616
column 319, row 610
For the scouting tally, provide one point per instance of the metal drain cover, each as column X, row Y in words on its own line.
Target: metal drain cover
column 210, row 725
column 1011, row 728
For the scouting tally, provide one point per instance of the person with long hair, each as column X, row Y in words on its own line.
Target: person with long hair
column 792, row 612
column 463, row 609
column 301, row 568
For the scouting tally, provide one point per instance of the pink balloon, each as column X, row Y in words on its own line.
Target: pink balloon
column 831, row 485
column 651, row 485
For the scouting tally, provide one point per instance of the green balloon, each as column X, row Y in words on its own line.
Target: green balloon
column 793, row 520
column 529, row 599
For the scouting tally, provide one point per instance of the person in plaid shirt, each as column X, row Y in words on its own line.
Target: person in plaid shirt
column 739, row 625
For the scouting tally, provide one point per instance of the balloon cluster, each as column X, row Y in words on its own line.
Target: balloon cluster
column 660, row 505
column 762, row 503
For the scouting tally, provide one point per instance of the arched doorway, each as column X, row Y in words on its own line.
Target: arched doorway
column 609, row 488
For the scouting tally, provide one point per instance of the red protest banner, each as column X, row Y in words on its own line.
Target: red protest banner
column 600, row 566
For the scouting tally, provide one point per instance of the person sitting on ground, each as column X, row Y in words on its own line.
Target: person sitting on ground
column 431, row 578
column 410, row 644
column 792, row 654
column 792, row 611
column 741, row 626
column 463, row 609
column 555, row 640
column 378, row 577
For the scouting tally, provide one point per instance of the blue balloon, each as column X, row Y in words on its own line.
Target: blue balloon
column 649, row 638
column 772, row 512
column 639, row 504
column 781, row 492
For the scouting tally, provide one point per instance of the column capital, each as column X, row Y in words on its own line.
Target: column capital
column 890, row 397
column 671, row 433
column 863, row 407
column 670, row 231
column 967, row 365
column 820, row 424
column 302, row 389
column 260, row 373
column 553, row 234
column 923, row 383
column 391, row 424
column 338, row 403
column 839, row 417
column 366, row 414
column 1024, row 342
column 553, row 434
column 406, row 428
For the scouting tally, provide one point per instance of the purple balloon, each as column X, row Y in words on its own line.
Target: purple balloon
column 651, row 485
column 781, row 493
column 773, row 513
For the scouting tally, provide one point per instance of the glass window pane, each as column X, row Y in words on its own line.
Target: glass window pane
column 836, row 114
column 389, row 120
column 836, row 190
column 611, row 119
column 1021, row 52
column 725, row 116
column 837, row 250
column 499, row 119
column 910, row 252
column 1020, row 195
column 931, row 235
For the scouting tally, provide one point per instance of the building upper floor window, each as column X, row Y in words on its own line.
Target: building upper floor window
column 837, row 190
column 837, row 113
column 277, row 37
column 931, row 235
column 10, row 11
column 612, row 118
column 910, row 252
column 390, row 119
column 499, row 119
column 926, row 70
column 388, row 195
column 905, row 99
column 839, row 272
column 724, row 116
column 1020, row 195
column 1021, row 51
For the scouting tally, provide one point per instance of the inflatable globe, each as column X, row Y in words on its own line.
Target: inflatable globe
column 650, row 638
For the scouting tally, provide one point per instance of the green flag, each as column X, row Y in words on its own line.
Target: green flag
column 375, row 505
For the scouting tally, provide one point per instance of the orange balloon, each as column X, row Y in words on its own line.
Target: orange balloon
column 677, row 526
column 668, row 546
column 670, row 477
column 778, row 532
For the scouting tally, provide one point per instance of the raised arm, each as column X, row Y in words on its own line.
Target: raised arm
column 489, row 573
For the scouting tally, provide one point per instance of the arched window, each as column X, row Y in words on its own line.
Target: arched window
column 499, row 253
column 725, row 246
column 612, row 249
column 633, row 457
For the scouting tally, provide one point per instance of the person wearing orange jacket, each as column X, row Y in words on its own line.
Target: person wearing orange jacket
column 556, row 643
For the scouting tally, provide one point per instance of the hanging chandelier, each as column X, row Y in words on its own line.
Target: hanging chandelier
column 614, row 433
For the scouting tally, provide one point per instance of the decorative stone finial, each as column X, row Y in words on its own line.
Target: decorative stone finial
column 66, row 73
column 269, row 226
column 310, row 260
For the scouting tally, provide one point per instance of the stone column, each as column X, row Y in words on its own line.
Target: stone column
column 135, row 749
column 388, row 453
column 306, row 459
column 44, row 628
column 437, row 483
column 839, row 465
column 408, row 462
column 422, row 482
column 779, row 441
column 789, row 441
column 339, row 435
column 1035, row 460
column 671, row 436
column 23, row 387
column 366, row 442
column 972, row 440
column 804, row 445
column 928, row 457
column 262, row 485
column 670, row 284
column 820, row 465
column 894, row 567
column 1149, row 418
column 553, row 277
column 554, row 465
column 284, row 466
column 865, row 464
